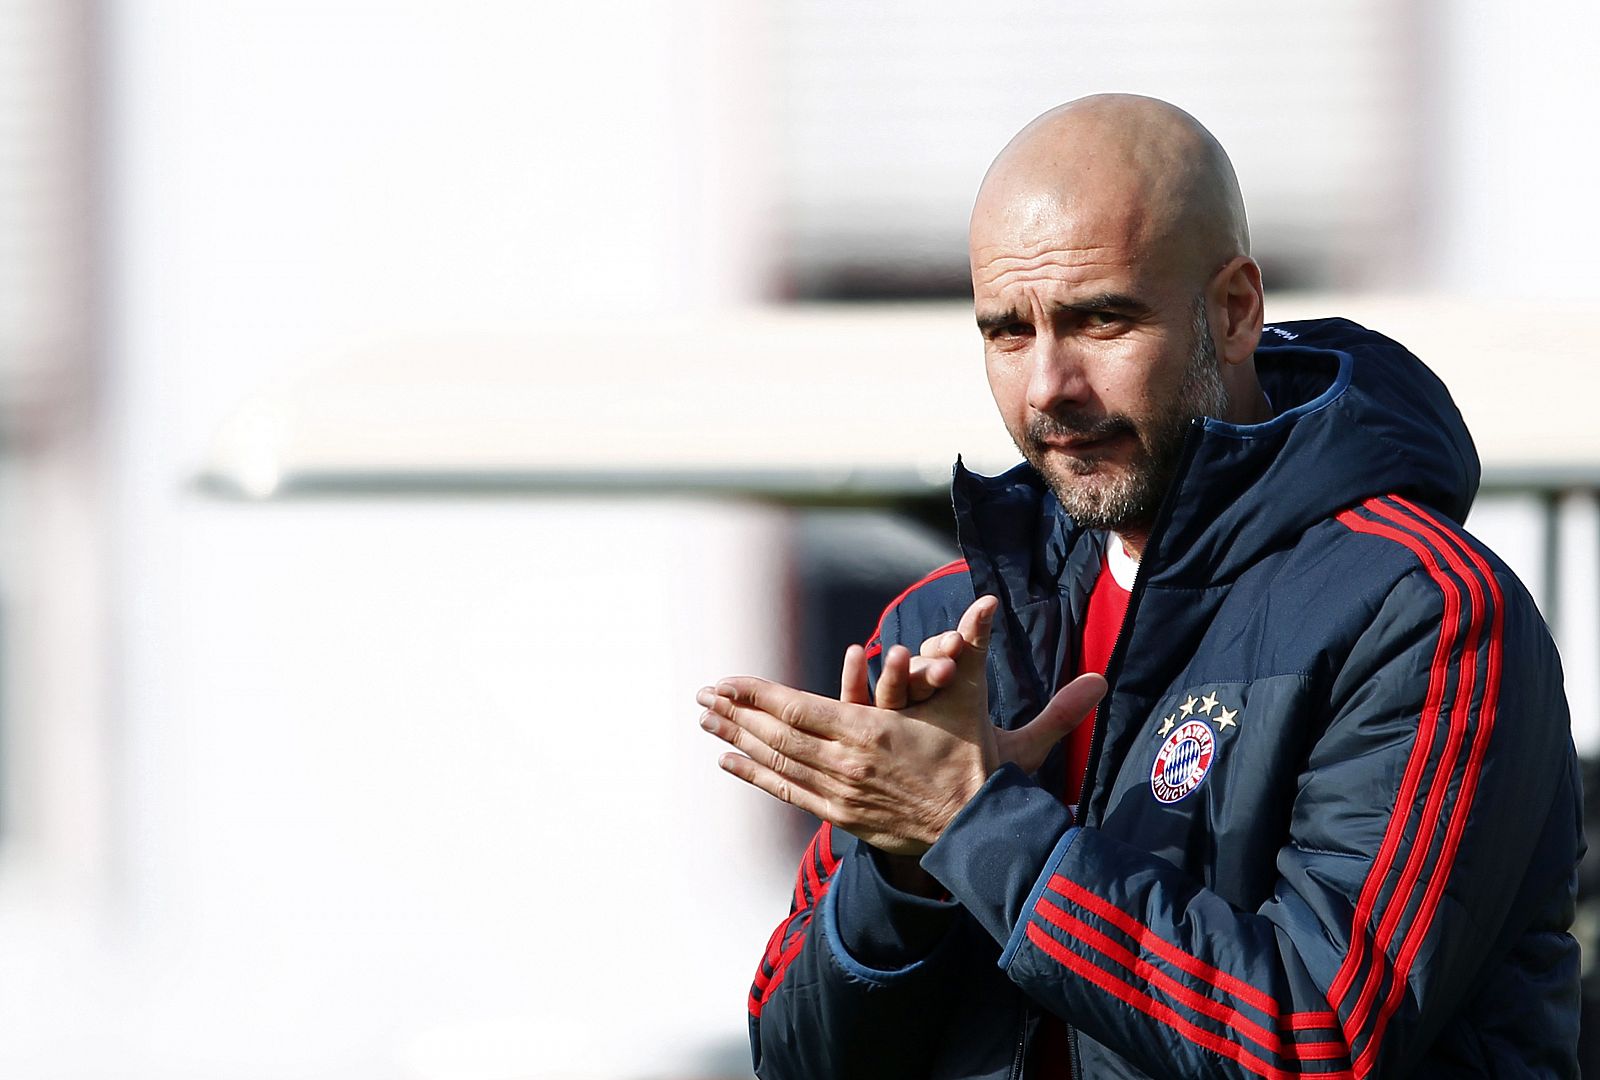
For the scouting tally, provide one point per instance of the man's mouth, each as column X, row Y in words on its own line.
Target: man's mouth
column 1080, row 444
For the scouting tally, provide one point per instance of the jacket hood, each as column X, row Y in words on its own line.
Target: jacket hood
column 1357, row 415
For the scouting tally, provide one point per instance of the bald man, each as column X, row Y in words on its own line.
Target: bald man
column 1324, row 821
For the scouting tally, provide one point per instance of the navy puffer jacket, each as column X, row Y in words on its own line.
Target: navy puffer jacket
column 1331, row 821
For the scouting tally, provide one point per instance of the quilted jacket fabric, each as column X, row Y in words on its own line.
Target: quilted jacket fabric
column 1331, row 821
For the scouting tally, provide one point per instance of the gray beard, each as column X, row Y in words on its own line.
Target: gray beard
column 1129, row 501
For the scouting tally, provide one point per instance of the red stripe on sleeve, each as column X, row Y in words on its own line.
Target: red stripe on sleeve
column 1438, row 672
column 1136, row 998
column 1312, row 1021
column 774, row 952
column 802, row 898
column 808, row 871
column 1266, row 1038
column 1424, row 523
column 1150, row 941
column 1450, row 544
column 779, row 970
column 785, row 945
column 1432, row 811
column 830, row 861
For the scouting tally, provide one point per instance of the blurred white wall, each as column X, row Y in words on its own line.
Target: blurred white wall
column 892, row 111
column 402, row 789
column 1512, row 157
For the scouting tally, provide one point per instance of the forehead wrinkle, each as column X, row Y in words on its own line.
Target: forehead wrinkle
column 1004, row 281
column 1045, row 254
column 1014, row 243
column 1001, row 278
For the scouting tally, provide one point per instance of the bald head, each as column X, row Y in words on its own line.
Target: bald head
column 1113, row 286
column 1134, row 168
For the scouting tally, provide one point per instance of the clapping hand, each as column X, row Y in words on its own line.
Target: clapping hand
column 895, row 772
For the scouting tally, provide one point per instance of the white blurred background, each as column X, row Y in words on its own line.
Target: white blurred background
column 404, row 407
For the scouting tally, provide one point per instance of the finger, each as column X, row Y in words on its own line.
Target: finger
column 722, row 718
column 894, row 682
column 779, row 787
column 978, row 621
column 947, row 644
column 976, row 624
column 1074, row 702
column 928, row 676
column 818, row 715
column 853, row 679
column 1072, row 705
column 754, row 747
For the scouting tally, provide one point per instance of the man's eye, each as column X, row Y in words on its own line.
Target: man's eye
column 1102, row 318
column 1010, row 331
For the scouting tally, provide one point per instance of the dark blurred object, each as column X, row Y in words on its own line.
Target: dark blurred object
column 848, row 565
column 859, row 279
column 1587, row 926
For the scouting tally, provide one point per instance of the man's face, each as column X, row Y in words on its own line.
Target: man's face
column 1098, row 358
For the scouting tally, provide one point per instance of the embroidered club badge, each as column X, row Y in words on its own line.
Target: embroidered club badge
column 1183, row 761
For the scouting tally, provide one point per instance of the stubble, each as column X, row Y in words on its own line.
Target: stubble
column 1126, row 500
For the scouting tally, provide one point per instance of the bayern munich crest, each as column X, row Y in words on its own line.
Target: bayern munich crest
column 1190, row 745
column 1183, row 761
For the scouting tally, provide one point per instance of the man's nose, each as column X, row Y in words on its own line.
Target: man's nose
column 1056, row 375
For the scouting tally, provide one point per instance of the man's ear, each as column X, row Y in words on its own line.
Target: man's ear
column 1236, row 301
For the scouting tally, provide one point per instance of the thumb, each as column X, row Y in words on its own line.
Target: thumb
column 977, row 622
column 1071, row 706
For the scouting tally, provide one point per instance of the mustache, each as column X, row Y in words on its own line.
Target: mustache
column 1077, row 426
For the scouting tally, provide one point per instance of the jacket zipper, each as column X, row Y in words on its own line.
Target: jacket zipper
column 1114, row 663
column 1094, row 757
column 1022, row 1044
column 1114, row 668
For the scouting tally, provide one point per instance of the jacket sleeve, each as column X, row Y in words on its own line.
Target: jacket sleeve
column 855, row 981
column 1440, row 761
column 858, row 981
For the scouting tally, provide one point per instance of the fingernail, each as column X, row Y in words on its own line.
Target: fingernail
column 708, row 721
column 704, row 696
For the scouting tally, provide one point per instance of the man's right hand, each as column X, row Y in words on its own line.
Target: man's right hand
column 906, row 679
column 910, row 680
